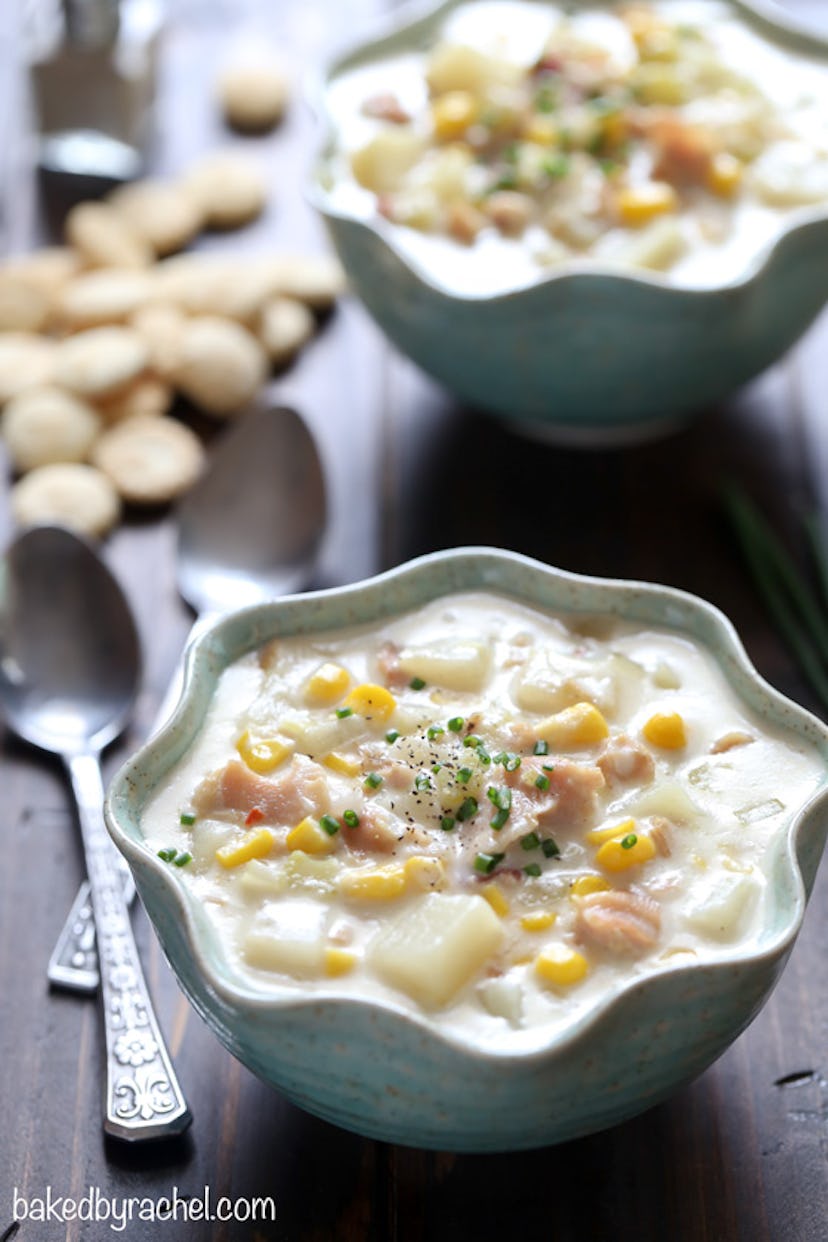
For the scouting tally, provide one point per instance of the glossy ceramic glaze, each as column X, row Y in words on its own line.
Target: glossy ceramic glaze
column 583, row 357
column 379, row 1070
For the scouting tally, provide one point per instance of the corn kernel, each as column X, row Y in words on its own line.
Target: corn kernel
column 579, row 725
column 496, row 899
column 424, row 872
column 614, row 856
column 369, row 700
column 724, row 175
column 310, row 837
column 538, row 920
column 263, row 755
column 586, row 884
column 254, row 845
column 327, row 685
column 597, row 836
column 452, row 114
column 339, row 962
column 342, row 764
column 666, row 729
column 561, row 966
column 614, row 129
column 542, row 130
column 638, row 205
column 381, row 884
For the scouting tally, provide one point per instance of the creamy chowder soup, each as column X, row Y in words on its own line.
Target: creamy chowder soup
column 479, row 811
column 670, row 136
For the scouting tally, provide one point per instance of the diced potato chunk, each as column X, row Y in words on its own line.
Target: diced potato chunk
column 503, row 998
column 258, row 880
column 288, row 936
column 436, row 946
column 721, row 906
column 382, row 163
column 456, row 67
column 463, row 665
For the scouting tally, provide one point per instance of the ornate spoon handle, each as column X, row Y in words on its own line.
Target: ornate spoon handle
column 74, row 961
column 143, row 1099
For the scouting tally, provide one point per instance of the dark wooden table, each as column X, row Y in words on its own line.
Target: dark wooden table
column 740, row 1154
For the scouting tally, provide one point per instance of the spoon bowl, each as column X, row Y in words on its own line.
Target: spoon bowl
column 251, row 528
column 69, row 653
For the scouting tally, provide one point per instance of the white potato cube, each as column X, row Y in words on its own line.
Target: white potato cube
column 288, row 936
column 436, row 945
column 720, row 908
column 461, row 665
column 259, row 880
column 383, row 162
column 457, row 67
column 503, row 998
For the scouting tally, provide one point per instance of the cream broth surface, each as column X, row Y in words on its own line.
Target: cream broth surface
column 774, row 113
column 479, row 812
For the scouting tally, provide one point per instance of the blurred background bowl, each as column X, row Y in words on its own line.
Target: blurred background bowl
column 595, row 357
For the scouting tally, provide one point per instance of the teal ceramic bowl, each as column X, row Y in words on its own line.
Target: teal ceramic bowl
column 380, row 1069
column 581, row 357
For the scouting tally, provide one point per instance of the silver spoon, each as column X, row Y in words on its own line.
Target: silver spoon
column 69, row 671
column 249, row 531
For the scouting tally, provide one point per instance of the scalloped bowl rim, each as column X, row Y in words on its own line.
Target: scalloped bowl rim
column 415, row 12
column 184, row 903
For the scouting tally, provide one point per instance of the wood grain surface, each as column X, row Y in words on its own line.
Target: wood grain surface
column 740, row 1155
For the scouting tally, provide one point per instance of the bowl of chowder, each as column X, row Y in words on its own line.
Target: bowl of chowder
column 478, row 854
column 592, row 219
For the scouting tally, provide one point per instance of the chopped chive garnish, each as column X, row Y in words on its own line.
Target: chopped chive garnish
column 500, row 757
column 502, row 798
column 472, row 739
column 182, row 859
column 467, row 810
column 456, row 724
column 330, row 825
column 435, row 767
column 542, row 782
column 344, row 712
column 447, row 823
column 351, row 818
column 187, row 819
column 422, row 782
column 464, row 775
column 484, row 756
column 392, row 735
column 550, row 848
column 530, row 842
column 434, row 731
column 629, row 841
column 541, row 747
column 486, row 863
column 532, row 869
column 372, row 781
column 499, row 820
column 166, row 855
column 417, row 683
column 512, row 763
